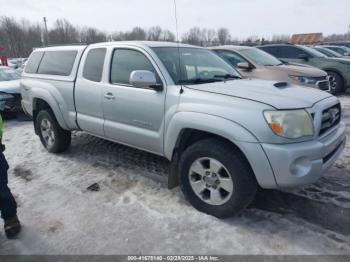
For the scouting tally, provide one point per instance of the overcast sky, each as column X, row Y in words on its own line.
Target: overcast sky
column 242, row 17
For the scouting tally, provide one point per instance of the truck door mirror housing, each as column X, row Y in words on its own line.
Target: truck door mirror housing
column 244, row 66
column 144, row 78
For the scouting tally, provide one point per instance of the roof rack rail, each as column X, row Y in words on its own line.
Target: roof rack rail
column 66, row 44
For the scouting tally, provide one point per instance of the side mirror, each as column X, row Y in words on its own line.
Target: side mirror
column 144, row 78
column 244, row 66
column 304, row 57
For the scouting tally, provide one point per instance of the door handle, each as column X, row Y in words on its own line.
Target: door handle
column 109, row 96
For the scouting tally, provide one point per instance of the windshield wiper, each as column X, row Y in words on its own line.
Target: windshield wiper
column 228, row 76
column 199, row 81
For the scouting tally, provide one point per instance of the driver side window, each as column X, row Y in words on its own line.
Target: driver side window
column 124, row 61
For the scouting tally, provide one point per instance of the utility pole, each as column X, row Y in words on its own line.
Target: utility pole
column 46, row 34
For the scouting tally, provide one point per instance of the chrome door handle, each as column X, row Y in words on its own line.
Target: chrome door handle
column 109, row 96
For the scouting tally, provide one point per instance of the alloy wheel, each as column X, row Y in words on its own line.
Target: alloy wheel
column 211, row 181
column 47, row 132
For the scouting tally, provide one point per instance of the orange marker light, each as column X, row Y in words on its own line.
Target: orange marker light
column 276, row 128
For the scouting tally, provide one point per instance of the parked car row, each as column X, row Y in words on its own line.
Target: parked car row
column 10, row 98
column 255, row 63
column 338, row 68
column 223, row 134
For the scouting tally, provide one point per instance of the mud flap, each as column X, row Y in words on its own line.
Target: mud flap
column 173, row 178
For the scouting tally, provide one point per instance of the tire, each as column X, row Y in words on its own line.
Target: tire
column 54, row 138
column 336, row 82
column 217, row 200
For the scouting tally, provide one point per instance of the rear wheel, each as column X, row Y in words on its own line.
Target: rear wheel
column 54, row 138
column 216, row 178
column 336, row 82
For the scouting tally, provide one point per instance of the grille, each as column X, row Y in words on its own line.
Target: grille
column 324, row 85
column 331, row 154
column 330, row 118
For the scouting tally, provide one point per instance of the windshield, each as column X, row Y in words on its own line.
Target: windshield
column 195, row 66
column 313, row 52
column 261, row 57
column 327, row 52
column 8, row 74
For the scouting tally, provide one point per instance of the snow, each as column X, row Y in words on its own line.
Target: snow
column 135, row 213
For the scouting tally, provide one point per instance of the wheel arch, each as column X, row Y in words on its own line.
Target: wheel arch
column 42, row 100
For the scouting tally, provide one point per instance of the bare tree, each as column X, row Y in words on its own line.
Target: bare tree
column 208, row 36
column 223, row 36
column 18, row 38
column 119, row 36
column 92, row 35
column 194, row 36
column 154, row 33
column 280, row 39
column 167, row 35
column 137, row 33
column 11, row 36
column 63, row 33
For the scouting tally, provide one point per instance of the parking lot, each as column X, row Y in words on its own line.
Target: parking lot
column 128, row 208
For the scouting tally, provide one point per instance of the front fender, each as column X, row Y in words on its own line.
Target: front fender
column 39, row 93
column 204, row 122
column 234, row 132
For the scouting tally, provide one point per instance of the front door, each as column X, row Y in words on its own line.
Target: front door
column 133, row 116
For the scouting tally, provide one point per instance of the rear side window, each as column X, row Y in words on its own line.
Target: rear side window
column 125, row 61
column 33, row 62
column 57, row 63
column 94, row 64
column 273, row 50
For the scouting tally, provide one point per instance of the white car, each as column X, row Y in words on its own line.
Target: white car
column 10, row 97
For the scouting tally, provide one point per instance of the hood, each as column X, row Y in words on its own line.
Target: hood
column 289, row 97
column 296, row 64
column 10, row 87
column 297, row 70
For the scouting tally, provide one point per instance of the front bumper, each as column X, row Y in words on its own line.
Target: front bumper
column 304, row 163
column 12, row 104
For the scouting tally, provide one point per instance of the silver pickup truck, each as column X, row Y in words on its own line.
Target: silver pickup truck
column 223, row 135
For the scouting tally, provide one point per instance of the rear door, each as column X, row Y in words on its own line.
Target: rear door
column 88, row 92
column 133, row 116
column 292, row 54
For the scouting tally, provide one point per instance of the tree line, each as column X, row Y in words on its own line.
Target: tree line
column 19, row 37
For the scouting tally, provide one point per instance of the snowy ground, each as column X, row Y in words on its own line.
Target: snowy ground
column 135, row 213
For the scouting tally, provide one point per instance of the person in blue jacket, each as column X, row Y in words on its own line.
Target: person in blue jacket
column 8, row 205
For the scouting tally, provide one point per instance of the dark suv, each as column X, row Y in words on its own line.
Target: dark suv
column 337, row 68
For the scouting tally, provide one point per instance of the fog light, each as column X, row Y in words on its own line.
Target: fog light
column 301, row 167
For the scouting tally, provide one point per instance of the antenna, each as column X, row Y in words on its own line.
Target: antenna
column 178, row 44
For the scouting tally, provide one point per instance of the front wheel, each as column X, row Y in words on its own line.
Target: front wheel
column 54, row 138
column 216, row 178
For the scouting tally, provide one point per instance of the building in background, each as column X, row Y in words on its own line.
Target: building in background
column 306, row 39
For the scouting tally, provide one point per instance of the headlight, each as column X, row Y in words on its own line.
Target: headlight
column 290, row 123
column 4, row 96
column 304, row 80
